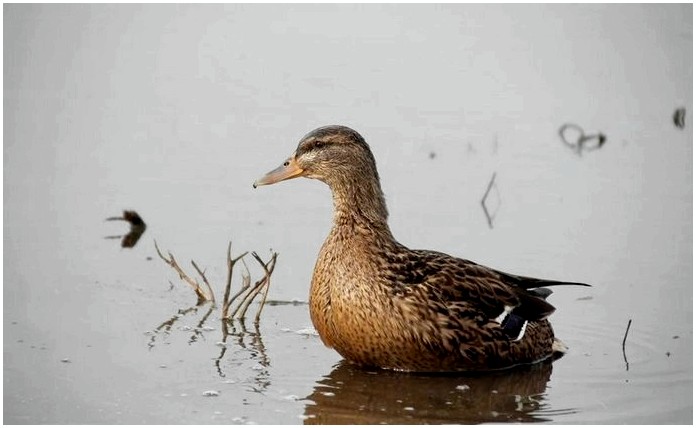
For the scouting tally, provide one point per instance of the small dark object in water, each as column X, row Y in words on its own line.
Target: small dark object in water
column 432, row 155
column 602, row 139
column 679, row 118
column 137, row 229
column 489, row 215
column 579, row 143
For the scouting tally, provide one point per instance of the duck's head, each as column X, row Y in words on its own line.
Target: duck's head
column 333, row 154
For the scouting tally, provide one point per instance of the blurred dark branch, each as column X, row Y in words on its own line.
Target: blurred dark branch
column 137, row 228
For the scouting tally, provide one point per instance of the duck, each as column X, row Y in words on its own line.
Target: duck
column 382, row 305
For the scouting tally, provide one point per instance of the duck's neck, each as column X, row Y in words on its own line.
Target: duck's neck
column 359, row 203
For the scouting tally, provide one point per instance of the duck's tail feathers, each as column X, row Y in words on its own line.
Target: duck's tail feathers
column 558, row 348
column 529, row 283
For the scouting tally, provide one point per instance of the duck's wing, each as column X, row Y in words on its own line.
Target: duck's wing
column 482, row 294
column 537, row 289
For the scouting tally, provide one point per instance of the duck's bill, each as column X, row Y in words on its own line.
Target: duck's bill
column 289, row 169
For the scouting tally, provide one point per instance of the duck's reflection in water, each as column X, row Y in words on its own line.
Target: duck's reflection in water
column 350, row 395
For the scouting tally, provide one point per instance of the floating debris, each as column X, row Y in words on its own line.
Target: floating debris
column 137, row 228
column 65, row 360
column 679, row 118
column 211, row 393
column 463, row 387
column 574, row 137
column 490, row 213
column 432, row 155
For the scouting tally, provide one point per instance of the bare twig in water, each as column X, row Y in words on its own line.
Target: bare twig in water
column 489, row 216
column 204, row 295
column 623, row 345
column 249, row 293
column 243, row 298
column 246, row 283
column 267, row 278
column 230, row 266
column 205, row 281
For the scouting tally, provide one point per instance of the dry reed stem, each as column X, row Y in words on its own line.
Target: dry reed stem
column 205, row 281
column 246, row 283
column 268, row 281
column 203, row 295
column 243, row 298
column 252, row 292
column 228, row 285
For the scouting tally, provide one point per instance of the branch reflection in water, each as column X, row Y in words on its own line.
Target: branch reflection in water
column 349, row 395
column 246, row 343
column 252, row 343
column 165, row 327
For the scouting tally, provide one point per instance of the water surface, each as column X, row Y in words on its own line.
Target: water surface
column 174, row 110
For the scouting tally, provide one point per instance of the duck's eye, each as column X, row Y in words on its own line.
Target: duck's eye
column 311, row 146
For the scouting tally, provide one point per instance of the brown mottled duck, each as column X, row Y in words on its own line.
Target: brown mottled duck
column 383, row 305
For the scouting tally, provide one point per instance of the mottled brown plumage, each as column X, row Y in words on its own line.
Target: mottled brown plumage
column 380, row 304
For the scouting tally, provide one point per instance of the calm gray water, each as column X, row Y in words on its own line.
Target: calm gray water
column 174, row 110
